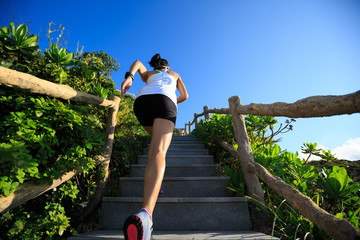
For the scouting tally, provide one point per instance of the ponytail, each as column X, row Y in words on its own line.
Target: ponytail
column 158, row 62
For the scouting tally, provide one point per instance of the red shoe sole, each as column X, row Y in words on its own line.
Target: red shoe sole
column 133, row 228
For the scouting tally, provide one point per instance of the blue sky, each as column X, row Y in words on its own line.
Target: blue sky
column 263, row 51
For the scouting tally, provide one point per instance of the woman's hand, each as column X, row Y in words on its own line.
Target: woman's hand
column 125, row 85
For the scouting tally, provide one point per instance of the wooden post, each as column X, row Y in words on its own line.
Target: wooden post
column 252, row 182
column 196, row 120
column 207, row 115
column 186, row 133
column 189, row 127
column 101, row 185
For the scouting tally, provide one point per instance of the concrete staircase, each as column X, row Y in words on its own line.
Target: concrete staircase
column 195, row 202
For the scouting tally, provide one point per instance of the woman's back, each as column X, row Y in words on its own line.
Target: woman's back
column 161, row 82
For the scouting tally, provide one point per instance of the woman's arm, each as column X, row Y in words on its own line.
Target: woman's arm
column 137, row 66
column 182, row 89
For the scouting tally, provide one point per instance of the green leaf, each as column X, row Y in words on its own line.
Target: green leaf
column 353, row 218
column 4, row 32
column 68, row 57
column 31, row 40
column 4, row 184
column 11, row 48
column 26, row 52
column 6, row 192
column 89, row 146
column 38, row 113
column 63, row 75
column 12, row 28
column 21, row 33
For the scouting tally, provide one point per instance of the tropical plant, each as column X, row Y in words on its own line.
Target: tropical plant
column 59, row 56
column 42, row 138
column 331, row 189
column 337, row 187
column 16, row 39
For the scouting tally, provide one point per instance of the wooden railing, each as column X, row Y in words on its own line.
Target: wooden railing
column 30, row 190
column 317, row 106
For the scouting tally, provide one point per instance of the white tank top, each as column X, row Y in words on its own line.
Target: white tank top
column 161, row 83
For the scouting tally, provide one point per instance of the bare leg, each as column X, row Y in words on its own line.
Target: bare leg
column 162, row 131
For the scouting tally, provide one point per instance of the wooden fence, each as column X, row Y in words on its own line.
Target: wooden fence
column 316, row 106
column 30, row 190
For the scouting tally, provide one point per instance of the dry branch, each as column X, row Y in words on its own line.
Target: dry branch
column 316, row 106
column 12, row 78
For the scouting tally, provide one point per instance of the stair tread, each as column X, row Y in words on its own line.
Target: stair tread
column 181, row 178
column 183, row 156
column 179, row 199
column 178, row 235
column 181, row 166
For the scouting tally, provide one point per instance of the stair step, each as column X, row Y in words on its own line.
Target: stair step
column 178, row 187
column 184, row 146
column 177, row 235
column 184, row 142
column 183, row 152
column 181, row 214
column 195, row 170
column 184, row 138
column 182, row 160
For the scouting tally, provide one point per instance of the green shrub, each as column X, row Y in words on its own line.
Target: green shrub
column 332, row 189
column 42, row 138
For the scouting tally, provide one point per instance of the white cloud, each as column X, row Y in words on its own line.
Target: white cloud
column 350, row 150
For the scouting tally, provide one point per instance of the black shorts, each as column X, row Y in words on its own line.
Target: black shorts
column 149, row 107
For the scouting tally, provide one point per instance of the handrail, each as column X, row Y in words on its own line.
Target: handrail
column 12, row 78
column 30, row 190
column 316, row 106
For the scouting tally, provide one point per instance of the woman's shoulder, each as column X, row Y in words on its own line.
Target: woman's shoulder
column 174, row 74
column 150, row 73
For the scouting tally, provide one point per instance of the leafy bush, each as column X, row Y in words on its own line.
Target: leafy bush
column 332, row 189
column 42, row 138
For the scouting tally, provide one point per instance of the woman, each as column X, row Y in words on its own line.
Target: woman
column 156, row 109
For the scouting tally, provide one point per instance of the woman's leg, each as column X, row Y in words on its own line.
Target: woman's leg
column 162, row 132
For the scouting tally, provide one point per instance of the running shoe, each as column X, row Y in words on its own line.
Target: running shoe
column 138, row 226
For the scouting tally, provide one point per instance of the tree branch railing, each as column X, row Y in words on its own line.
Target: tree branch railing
column 31, row 190
column 316, row 106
